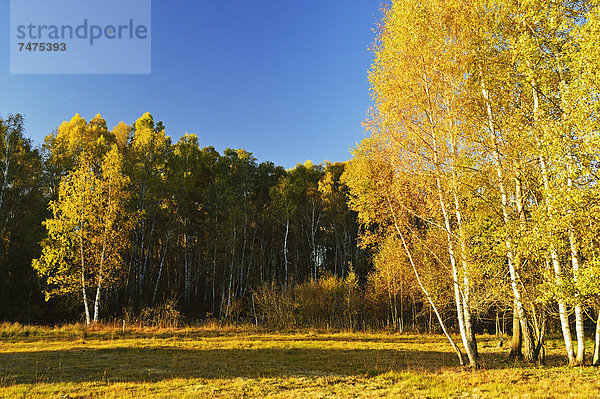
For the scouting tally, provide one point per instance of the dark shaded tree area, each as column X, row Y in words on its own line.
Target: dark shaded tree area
column 23, row 202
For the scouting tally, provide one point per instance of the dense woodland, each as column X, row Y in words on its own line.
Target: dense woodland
column 473, row 205
column 138, row 220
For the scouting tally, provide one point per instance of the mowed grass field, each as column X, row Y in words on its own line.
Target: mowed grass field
column 72, row 362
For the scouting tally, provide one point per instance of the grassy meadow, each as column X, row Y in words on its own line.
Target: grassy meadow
column 75, row 362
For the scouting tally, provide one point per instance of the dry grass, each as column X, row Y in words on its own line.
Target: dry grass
column 72, row 361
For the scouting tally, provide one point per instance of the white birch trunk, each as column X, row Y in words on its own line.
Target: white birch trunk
column 84, row 291
column 466, row 291
column 81, row 253
column 285, row 240
column 580, row 357
column 528, row 348
column 160, row 268
column 460, row 311
column 517, row 338
column 562, row 307
column 425, row 292
column 6, row 168
column 457, row 294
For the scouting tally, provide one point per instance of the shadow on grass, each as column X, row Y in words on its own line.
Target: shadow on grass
column 155, row 364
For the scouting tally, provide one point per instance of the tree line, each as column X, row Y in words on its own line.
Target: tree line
column 479, row 180
column 123, row 219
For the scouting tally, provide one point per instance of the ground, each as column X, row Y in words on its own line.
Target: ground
column 73, row 362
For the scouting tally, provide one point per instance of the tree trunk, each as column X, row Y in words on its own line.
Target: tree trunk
column 517, row 338
column 562, row 307
column 401, row 321
column 460, row 312
column 242, row 270
column 83, row 282
column 160, row 268
column 527, row 336
column 186, row 267
column 285, row 240
column 250, row 261
column 214, row 276
column 102, row 256
column 425, row 292
column 6, row 166
column 596, row 358
column 580, row 357
column 467, row 337
column 97, row 301
column 100, row 277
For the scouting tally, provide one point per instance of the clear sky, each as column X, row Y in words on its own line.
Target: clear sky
column 285, row 80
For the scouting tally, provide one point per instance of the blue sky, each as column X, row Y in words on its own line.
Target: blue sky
column 285, row 80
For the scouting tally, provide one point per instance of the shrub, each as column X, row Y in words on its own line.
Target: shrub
column 275, row 306
column 329, row 302
column 164, row 315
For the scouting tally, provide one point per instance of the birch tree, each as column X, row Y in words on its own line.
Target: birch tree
column 87, row 233
column 417, row 80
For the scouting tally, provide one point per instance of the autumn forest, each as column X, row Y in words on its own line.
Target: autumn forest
column 471, row 207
